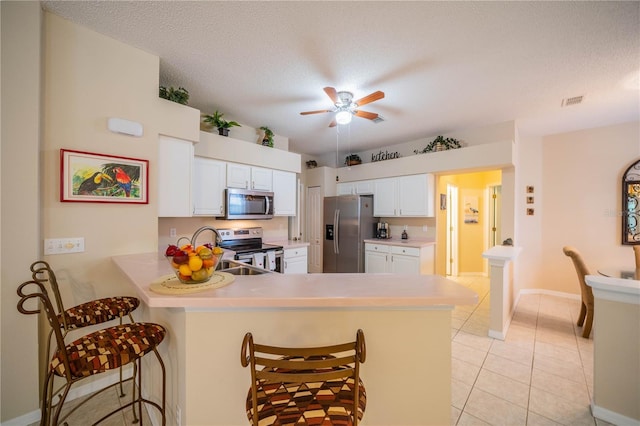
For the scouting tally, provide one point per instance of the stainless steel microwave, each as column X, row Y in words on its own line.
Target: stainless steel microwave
column 248, row 204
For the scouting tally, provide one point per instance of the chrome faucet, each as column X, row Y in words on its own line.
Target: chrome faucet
column 205, row 228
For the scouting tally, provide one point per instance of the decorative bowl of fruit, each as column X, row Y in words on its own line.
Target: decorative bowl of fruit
column 193, row 265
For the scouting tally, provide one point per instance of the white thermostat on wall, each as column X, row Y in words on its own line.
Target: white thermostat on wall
column 127, row 127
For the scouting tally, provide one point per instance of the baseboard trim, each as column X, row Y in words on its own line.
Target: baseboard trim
column 611, row 416
column 571, row 296
column 74, row 393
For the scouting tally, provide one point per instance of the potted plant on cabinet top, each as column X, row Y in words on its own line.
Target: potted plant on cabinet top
column 440, row 144
column 220, row 123
column 352, row 160
column 267, row 140
column 179, row 95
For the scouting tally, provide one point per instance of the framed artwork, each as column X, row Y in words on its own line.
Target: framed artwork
column 99, row 178
column 471, row 210
column 443, row 201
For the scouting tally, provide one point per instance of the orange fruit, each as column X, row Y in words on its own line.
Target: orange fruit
column 185, row 270
column 217, row 250
column 208, row 263
column 195, row 263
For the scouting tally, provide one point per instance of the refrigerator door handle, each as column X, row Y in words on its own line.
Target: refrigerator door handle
column 336, row 235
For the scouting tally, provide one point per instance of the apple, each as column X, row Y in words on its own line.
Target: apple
column 180, row 257
column 171, row 250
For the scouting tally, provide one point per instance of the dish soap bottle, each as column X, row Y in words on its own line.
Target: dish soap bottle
column 404, row 234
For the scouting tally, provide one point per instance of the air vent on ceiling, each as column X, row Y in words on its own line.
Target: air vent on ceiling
column 571, row 101
column 378, row 119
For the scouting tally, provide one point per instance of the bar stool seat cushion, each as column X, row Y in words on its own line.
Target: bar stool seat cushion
column 100, row 311
column 310, row 403
column 108, row 349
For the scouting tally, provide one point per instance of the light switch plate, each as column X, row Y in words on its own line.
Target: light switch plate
column 63, row 245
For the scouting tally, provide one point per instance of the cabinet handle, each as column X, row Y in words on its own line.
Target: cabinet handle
column 246, row 184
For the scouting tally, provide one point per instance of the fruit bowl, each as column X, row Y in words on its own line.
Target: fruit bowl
column 193, row 265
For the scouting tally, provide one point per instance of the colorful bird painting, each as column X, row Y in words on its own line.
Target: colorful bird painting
column 123, row 180
column 92, row 183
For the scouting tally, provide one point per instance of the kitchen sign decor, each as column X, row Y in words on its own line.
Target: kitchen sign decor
column 98, row 178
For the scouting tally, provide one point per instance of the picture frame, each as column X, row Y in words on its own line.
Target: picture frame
column 443, row 201
column 88, row 177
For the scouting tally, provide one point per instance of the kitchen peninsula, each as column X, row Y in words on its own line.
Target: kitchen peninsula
column 406, row 321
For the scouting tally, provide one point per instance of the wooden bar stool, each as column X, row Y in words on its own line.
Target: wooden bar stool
column 314, row 386
column 86, row 314
column 92, row 354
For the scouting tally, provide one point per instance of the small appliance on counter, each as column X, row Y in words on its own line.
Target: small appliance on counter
column 382, row 230
column 404, row 235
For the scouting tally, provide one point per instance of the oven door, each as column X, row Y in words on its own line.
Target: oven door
column 247, row 204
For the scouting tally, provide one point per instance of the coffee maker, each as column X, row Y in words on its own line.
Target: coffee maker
column 382, row 230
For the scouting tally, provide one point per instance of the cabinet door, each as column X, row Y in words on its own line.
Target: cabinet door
column 384, row 198
column 412, row 195
column 238, row 176
column 261, row 179
column 175, row 162
column 284, row 193
column 364, row 187
column 345, row 188
column 375, row 262
column 401, row 264
column 209, row 182
column 295, row 261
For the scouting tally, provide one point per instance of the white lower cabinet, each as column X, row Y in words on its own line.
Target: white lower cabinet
column 295, row 261
column 380, row 258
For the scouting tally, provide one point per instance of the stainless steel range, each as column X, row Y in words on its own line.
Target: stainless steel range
column 249, row 248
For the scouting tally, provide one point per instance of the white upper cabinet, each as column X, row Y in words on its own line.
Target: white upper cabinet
column 209, row 182
column 364, row 187
column 284, row 193
column 385, row 197
column 175, row 162
column 247, row 177
column 261, row 179
column 238, row 176
column 404, row 196
column 345, row 188
column 415, row 195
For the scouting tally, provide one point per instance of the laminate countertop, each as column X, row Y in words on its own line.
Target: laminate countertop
column 377, row 291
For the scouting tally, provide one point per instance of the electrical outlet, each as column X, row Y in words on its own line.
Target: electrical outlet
column 172, row 232
column 63, row 245
column 178, row 416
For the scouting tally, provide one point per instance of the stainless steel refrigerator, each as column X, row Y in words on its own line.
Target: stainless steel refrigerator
column 348, row 220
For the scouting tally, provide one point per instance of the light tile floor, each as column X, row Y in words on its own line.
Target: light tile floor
column 541, row 374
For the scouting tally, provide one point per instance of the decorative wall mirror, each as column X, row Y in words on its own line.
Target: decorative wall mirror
column 631, row 204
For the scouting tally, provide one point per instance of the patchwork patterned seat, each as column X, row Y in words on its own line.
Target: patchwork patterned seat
column 98, row 352
column 86, row 314
column 305, row 386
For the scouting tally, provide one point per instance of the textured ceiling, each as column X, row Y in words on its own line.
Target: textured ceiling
column 444, row 66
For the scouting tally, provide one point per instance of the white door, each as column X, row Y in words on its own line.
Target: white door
column 314, row 204
column 452, row 231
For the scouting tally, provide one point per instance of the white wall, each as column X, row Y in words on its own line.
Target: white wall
column 21, row 175
column 581, row 203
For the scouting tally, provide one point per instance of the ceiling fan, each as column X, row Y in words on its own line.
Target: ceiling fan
column 346, row 107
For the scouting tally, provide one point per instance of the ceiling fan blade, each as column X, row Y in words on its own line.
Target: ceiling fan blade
column 370, row 98
column 331, row 92
column 366, row 114
column 333, row 123
column 315, row 112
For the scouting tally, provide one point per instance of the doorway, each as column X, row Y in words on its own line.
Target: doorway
column 452, row 231
column 314, row 221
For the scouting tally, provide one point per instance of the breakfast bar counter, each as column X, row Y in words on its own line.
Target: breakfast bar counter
column 406, row 321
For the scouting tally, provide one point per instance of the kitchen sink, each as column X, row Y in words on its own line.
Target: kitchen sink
column 239, row 268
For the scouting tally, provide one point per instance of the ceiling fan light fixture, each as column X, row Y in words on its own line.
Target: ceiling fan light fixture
column 343, row 117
